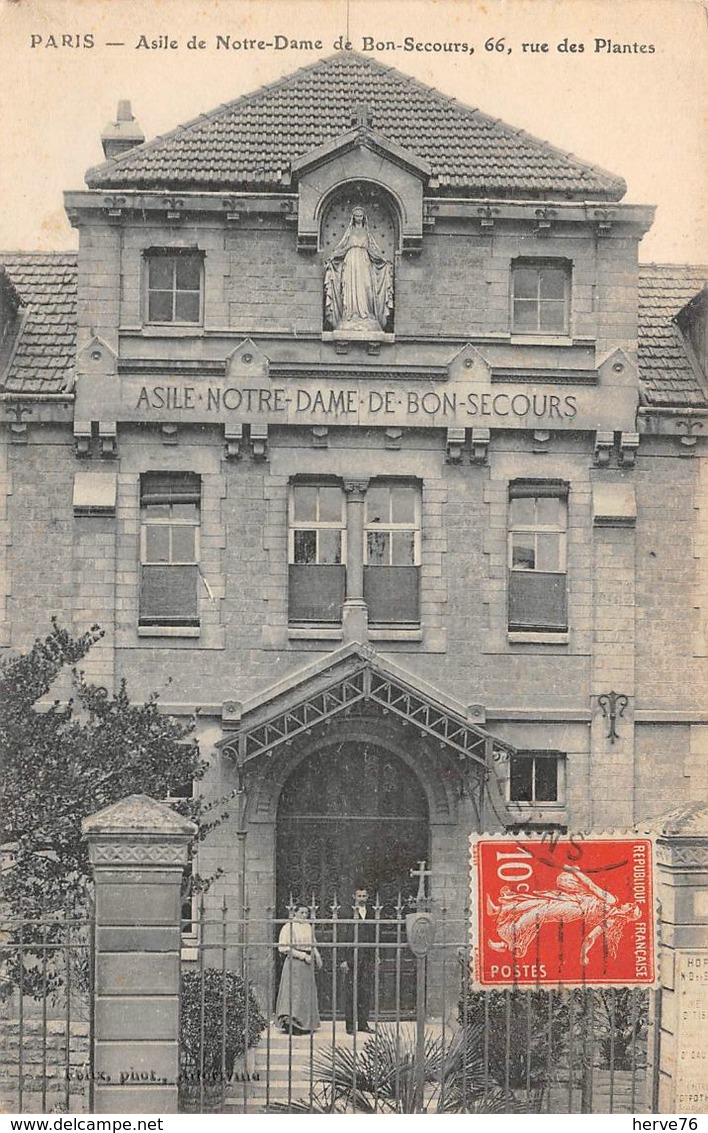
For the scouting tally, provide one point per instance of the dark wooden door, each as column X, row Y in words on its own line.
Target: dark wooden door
column 353, row 815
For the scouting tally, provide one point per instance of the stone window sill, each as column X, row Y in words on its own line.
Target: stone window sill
column 537, row 811
column 315, row 633
column 169, row 631
column 535, row 637
column 544, row 340
column 395, row 633
column 165, row 330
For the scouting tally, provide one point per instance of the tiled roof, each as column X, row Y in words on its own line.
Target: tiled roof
column 43, row 358
column 252, row 141
column 668, row 376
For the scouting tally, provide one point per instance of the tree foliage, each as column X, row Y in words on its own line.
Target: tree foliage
column 62, row 761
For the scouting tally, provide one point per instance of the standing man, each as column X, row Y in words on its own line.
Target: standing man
column 359, row 937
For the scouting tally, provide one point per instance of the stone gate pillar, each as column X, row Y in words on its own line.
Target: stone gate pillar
column 138, row 850
column 680, row 1036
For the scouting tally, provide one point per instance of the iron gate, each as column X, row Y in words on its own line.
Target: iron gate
column 46, row 979
column 449, row 1049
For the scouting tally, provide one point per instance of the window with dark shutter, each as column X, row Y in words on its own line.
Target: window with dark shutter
column 169, row 549
column 392, row 552
column 538, row 520
column 316, row 572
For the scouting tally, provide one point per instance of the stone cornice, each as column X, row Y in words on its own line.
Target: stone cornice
column 116, row 204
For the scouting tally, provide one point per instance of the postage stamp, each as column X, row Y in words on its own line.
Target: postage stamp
column 573, row 912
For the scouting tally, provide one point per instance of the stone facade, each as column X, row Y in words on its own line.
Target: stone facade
column 635, row 533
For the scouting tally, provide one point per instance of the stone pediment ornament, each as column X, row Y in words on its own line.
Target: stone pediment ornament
column 361, row 135
column 469, row 365
column 247, row 360
column 97, row 357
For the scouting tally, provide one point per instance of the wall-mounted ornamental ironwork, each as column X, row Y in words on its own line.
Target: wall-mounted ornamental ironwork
column 613, row 705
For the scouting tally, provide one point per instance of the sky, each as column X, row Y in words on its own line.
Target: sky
column 639, row 112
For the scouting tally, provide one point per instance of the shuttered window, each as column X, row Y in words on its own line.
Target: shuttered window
column 316, row 572
column 392, row 552
column 169, row 549
column 538, row 521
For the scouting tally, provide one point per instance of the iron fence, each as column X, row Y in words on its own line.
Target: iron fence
column 430, row 1042
column 46, row 977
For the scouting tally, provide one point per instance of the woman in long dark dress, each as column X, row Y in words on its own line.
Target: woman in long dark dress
column 296, row 1008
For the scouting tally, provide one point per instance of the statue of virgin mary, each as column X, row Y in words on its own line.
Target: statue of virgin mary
column 358, row 280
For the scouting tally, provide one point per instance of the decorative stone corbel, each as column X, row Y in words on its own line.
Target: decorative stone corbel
column 231, row 713
column 108, row 439
column 477, row 713
column 169, row 433
column 18, row 427
column 82, row 438
column 604, row 444
column 544, row 221
column 233, row 438
column 603, row 221
column 114, row 207
column 686, row 428
column 480, row 445
column 429, row 210
column 259, row 442
column 231, row 208
column 486, row 215
column 455, row 443
column 541, row 440
column 629, row 443
column 320, row 436
column 174, row 207
column 392, row 438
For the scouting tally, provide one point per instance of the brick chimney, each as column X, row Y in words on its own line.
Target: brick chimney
column 122, row 134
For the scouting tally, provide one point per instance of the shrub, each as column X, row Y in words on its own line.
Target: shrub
column 213, row 1025
column 525, row 1030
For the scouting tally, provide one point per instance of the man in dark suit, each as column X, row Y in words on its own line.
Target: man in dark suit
column 358, row 965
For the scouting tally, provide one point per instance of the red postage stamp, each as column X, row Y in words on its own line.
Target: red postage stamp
column 567, row 912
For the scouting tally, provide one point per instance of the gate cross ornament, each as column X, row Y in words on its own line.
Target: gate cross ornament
column 421, row 901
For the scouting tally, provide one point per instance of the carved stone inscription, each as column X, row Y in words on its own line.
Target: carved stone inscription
column 692, row 1047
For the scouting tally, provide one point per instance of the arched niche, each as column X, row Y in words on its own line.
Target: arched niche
column 358, row 283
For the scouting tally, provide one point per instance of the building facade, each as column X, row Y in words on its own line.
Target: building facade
column 359, row 428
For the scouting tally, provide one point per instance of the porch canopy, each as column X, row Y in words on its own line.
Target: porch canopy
column 350, row 676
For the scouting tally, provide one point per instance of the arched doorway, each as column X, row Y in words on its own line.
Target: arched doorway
column 352, row 813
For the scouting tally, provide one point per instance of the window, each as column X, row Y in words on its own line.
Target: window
column 174, row 285
column 316, row 553
column 540, row 294
column 392, row 552
column 169, row 549
column 537, row 556
column 537, row 777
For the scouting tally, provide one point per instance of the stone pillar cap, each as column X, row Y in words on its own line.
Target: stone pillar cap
column 138, row 814
column 685, row 822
